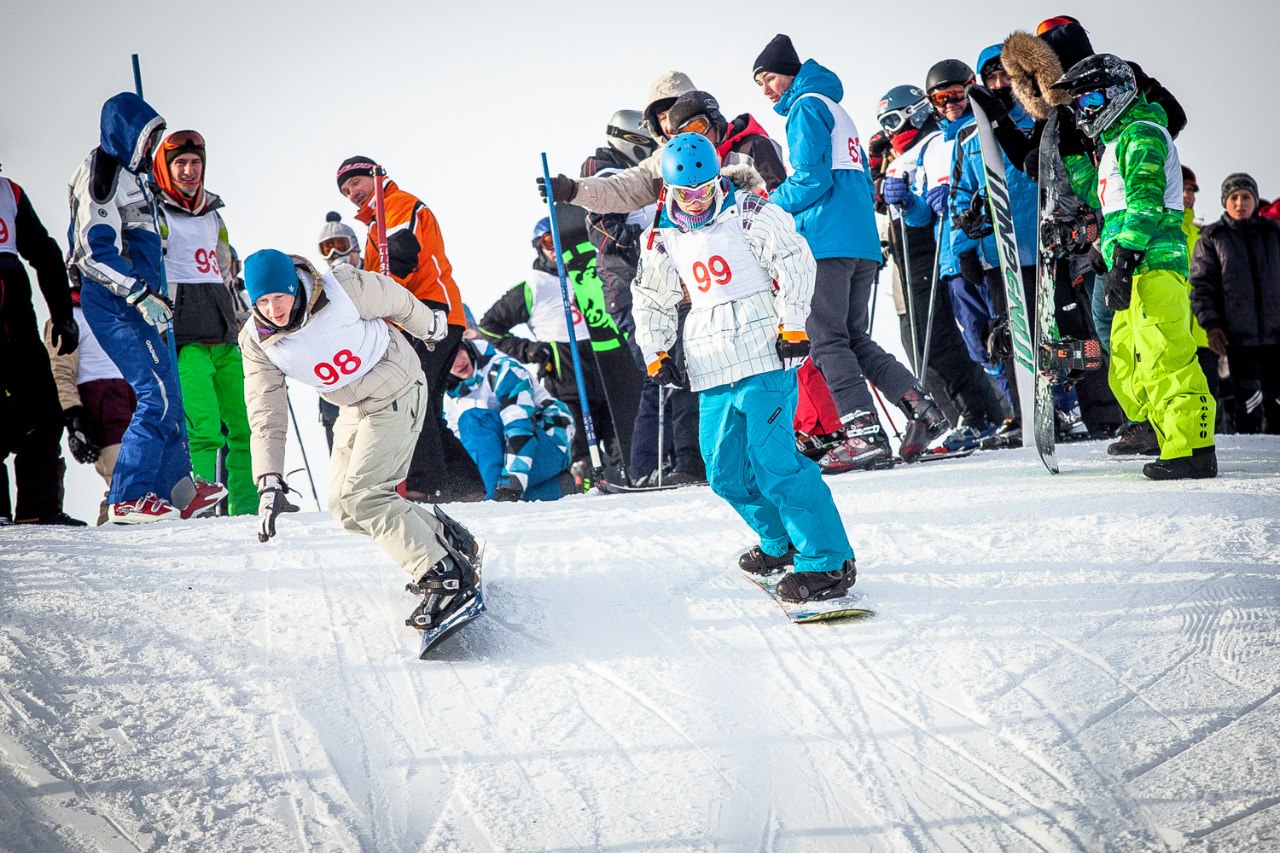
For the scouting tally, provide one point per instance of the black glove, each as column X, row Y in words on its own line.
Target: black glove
column 271, row 502
column 664, row 371
column 974, row 222
column 1064, row 233
column 971, row 267
column 1096, row 261
column 1031, row 165
column 543, row 354
column 989, row 101
column 563, row 186
column 879, row 145
column 508, row 489
column 1117, row 290
column 65, row 335
column 788, row 350
column 82, row 447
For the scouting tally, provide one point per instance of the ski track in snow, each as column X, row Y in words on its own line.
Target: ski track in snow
column 1081, row 662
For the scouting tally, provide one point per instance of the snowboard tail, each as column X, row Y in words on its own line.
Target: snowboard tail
column 850, row 606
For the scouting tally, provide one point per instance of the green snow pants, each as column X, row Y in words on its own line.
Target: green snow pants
column 1154, row 371
column 212, row 378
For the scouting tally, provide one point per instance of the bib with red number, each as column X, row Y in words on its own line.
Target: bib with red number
column 546, row 310
column 715, row 263
column 8, row 216
column 1111, row 188
column 191, row 252
column 335, row 347
column 846, row 147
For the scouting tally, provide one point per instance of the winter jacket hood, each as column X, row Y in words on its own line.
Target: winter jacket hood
column 988, row 54
column 812, row 79
column 1034, row 67
column 669, row 87
column 740, row 128
column 128, row 123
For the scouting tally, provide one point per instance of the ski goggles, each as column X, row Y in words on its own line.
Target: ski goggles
column 697, row 124
column 630, row 136
column 698, row 194
column 184, row 141
column 950, row 95
column 1090, row 101
column 336, row 247
column 894, row 120
column 1053, row 23
column 547, row 241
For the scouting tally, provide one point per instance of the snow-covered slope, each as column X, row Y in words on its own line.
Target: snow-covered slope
column 1082, row 662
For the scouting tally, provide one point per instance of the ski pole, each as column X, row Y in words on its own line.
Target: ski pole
column 933, row 296
column 875, row 293
column 305, row 463
column 592, row 445
column 893, row 426
column 380, row 220
column 908, row 285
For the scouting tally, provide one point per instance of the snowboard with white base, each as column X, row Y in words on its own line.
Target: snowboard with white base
column 852, row 605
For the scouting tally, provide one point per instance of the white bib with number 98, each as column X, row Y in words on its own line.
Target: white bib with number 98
column 715, row 263
column 335, row 347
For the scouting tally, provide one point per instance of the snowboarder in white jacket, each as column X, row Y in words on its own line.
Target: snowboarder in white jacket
column 750, row 278
column 330, row 331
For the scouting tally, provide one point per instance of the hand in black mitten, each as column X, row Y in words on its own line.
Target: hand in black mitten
column 65, row 335
column 664, row 371
column 543, row 354
column 1118, row 287
column 562, row 186
column 987, row 99
column 83, row 449
column 508, row 489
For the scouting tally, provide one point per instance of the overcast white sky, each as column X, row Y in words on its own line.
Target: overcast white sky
column 457, row 99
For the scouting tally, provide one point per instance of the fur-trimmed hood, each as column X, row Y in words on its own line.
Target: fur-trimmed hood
column 1034, row 67
column 744, row 176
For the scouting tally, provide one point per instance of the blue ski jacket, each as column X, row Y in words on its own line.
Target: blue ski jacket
column 938, row 156
column 832, row 207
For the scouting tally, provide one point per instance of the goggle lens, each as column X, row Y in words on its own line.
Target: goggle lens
column 942, row 97
column 1089, row 101
column 697, row 124
column 547, row 241
column 693, row 195
column 335, row 247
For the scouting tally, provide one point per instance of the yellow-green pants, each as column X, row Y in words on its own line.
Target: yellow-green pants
column 1154, row 372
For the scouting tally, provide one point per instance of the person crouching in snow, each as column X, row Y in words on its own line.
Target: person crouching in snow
column 750, row 278
column 329, row 330
column 517, row 433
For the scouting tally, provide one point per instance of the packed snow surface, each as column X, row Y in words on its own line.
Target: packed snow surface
column 1082, row 662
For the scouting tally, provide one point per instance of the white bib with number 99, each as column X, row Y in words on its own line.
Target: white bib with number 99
column 715, row 263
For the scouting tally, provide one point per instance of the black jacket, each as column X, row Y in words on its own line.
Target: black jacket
column 1235, row 280
column 617, row 242
column 17, row 313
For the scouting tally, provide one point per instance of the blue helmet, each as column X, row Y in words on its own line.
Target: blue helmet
column 689, row 159
column 543, row 226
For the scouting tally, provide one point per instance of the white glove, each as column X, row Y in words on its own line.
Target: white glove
column 154, row 308
column 439, row 326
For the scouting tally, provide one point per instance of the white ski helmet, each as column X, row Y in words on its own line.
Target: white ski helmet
column 629, row 137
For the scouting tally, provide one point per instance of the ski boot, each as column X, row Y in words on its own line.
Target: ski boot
column 925, row 422
column 797, row 587
column 967, row 437
column 444, row 588
column 1202, row 464
column 757, row 562
column 1009, row 434
column 865, row 446
column 1136, row 439
column 1070, row 424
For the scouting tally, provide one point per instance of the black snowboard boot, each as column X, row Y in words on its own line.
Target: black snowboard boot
column 925, row 422
column 458, row 537
column 757, row 562
column 865, row 446
column 817, row 586
column 1136, row 439
column 444, row 588
column 1202, row 464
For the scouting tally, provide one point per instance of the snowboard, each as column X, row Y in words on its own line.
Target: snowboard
column 851, row 606
column 1020, row 330
column 468, row 612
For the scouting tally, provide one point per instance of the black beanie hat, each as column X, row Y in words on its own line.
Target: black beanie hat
column 357, row 165
column 1067, row 37
column 696, row 103
column 1239, row 181
column 778, row 57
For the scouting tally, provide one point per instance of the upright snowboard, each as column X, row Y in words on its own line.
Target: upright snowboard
column 469, row 611
column 851, row 606
column 1024, row 347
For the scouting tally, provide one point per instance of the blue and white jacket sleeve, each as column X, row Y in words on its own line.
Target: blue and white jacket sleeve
column 809, row 126
column 109, row 236
column 513, row 390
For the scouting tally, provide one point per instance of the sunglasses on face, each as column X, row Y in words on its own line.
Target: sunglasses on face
column 942, row 97
column 697, row 124
column 336, row 247
column 693, row 195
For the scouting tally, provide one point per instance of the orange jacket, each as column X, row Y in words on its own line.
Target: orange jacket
column 415, row 251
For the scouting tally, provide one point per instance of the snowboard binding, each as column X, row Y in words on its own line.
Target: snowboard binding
column 1073, row 355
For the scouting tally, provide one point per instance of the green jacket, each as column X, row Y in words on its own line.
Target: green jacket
column 1145, row 224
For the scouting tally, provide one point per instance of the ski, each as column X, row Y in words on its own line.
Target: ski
column 468, row 612
column 851, row 606
column 1024, row 351
column 935, row 454
column 610, row 488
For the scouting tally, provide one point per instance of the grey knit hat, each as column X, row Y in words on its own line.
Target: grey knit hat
column 1239, row 181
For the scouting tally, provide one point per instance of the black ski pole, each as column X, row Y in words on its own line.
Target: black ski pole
column 933, row 296
column 305, row 463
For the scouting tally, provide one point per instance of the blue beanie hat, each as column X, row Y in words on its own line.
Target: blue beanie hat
column 269, row 271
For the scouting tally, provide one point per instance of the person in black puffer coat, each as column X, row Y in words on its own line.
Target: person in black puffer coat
column 1235, row 294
